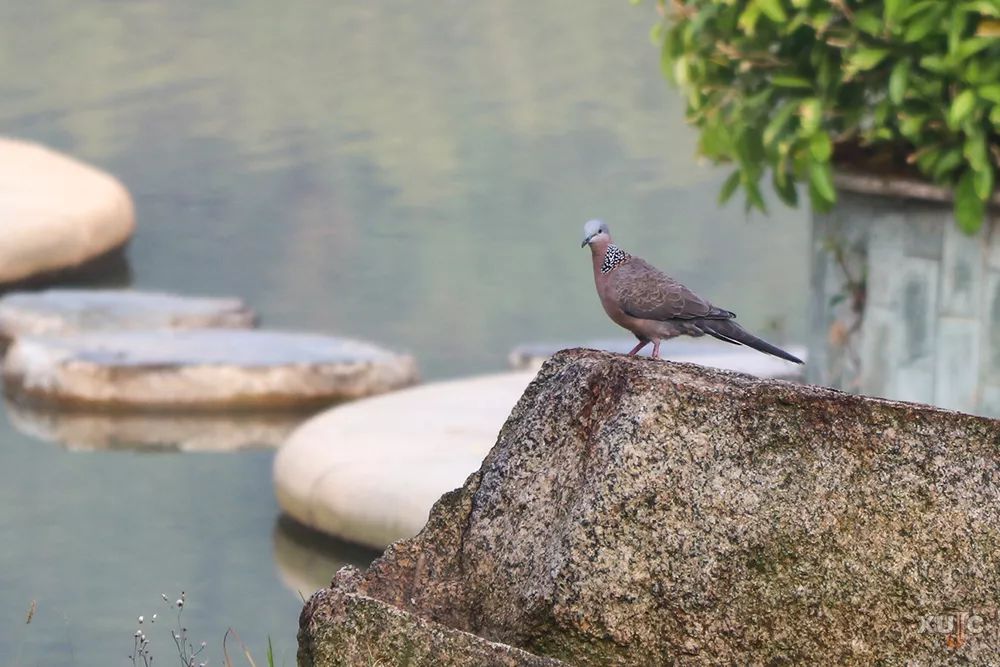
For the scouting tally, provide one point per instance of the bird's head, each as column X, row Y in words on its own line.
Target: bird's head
column 595, row 231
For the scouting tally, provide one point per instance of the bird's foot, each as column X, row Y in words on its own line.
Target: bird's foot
column 635, row 350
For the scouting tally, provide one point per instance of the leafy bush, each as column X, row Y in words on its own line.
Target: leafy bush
column 893, row 86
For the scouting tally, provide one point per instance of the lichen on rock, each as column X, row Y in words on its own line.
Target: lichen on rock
column 639, row 512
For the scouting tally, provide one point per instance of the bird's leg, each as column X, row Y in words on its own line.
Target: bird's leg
column 635, row 350
column 656, row 349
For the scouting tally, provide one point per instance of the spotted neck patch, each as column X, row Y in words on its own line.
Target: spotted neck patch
column 613, row 258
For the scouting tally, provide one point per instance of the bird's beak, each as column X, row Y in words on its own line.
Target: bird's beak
column 587, row 240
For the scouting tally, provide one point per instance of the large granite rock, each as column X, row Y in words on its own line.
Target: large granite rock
column 57, row 213
column 636, row 512
column 199, row 369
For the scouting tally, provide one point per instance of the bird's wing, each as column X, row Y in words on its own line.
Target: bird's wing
column 645, row 292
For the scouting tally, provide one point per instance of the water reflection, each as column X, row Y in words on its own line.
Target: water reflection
column 307, row 560
column 150, row 431
column 109, row 270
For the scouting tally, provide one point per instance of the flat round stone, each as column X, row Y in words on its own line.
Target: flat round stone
column 57, row 212
column 370, row 471
column 61, row 311
column 200, row 369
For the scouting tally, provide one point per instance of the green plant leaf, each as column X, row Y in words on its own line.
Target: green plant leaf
column 810, row 115
column 773, row 10
column 911, row 126
column 820, row 146
column 784, row 187
column 821, row 179
column 788, row 81
column 982, row 180
column 863, row 60
column 715, row 141
column 990, row 92
column 891, row 10
column 869, row 22
column 754, row 198
column 935, row 63
column 961, row 107
column 778, row 122
column 656, row 34
column 976, row 152
column 729, row 186
column 956, row 26
column 971, row 47
column 927, row 159
column 748, row 19
column 950, row 160
column 969, row 208
column 897, row 81
column 917, row 7
column 985, row 7
column 920, row 27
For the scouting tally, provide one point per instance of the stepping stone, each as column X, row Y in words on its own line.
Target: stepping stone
column 713, row 354
column 92, row 430
column 61, row 311
column 57, row 212
column 369, row 472
column 200, row 369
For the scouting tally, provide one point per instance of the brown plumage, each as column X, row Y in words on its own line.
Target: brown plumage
column 654, row 306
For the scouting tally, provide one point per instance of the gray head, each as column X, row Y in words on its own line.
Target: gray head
column 593, row 230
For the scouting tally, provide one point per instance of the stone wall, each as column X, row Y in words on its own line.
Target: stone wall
column 905, row 305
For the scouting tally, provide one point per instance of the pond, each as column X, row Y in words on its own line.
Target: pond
column 414, row 175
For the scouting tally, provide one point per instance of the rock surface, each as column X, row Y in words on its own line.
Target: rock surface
column 57, row 212
column 636, row 512
column 711, row 353
column 62, row 311
column 199, row 369
column 370, row 471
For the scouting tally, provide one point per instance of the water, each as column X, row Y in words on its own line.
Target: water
column 415, row 175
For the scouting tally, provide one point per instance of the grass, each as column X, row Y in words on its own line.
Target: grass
column 187, row 653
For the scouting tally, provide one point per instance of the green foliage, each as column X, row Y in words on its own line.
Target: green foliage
column 796, row 85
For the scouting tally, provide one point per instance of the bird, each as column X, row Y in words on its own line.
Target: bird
column 654, row 306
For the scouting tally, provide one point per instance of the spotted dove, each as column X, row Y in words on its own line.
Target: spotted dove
column 654, row 306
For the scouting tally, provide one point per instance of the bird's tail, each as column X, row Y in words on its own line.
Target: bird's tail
column 731, row 332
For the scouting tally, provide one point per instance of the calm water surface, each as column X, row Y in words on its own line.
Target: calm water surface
column 416, row 175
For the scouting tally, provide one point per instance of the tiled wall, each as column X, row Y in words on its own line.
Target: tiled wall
column 930, row 329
